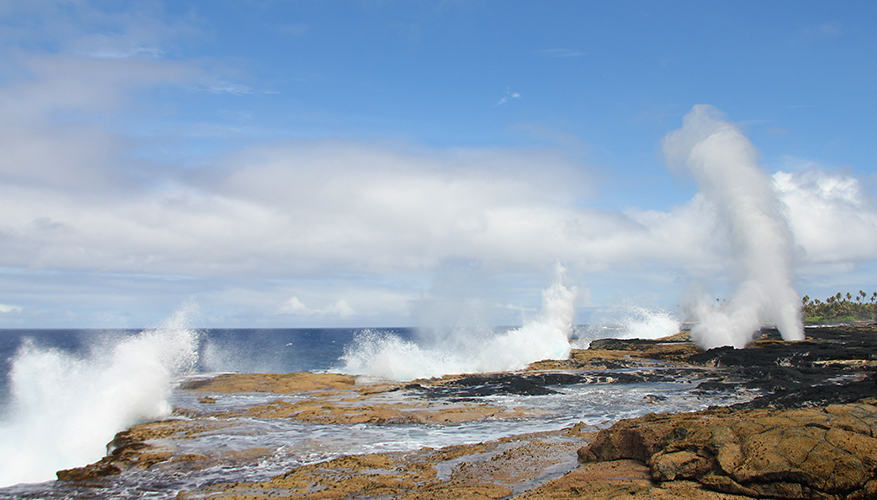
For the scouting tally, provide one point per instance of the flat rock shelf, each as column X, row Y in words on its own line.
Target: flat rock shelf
column 790, row 420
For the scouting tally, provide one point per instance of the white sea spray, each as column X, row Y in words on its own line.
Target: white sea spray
column 470, row 350
column 65, row 409
column 724, row 164
column 627, row 321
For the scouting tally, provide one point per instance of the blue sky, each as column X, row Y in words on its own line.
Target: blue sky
column 344, row 163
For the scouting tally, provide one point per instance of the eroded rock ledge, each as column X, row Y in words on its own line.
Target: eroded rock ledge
column 825, row 453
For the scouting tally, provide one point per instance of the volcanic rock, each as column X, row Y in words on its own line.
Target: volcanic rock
column 828, row 452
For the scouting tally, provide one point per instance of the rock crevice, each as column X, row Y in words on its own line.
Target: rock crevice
column 827, row 452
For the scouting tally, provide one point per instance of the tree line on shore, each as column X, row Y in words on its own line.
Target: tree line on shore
column 841, row 307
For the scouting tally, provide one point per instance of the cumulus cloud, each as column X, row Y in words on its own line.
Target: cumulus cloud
column 295, row 307
column 77, row 197
column 833, row 216
column 344, row 207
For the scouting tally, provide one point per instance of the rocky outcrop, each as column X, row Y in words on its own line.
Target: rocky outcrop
column 140, row 447
column 825, row 453
column 808, row 434
column 834, row 365
column 127, row 451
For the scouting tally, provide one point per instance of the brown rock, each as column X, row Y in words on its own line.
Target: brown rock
column 811, row 453
column 726, row 485
column 620, row 479
column 130, row 455
column 280, row 383
column 596, row 480
column 680, row 464
column 89, row 473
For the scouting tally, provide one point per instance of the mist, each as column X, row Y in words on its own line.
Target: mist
column 469, row 345
column 723, row 163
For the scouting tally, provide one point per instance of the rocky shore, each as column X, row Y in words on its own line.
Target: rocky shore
column 809, row 431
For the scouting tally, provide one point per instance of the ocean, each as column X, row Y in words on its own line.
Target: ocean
column 65, row 393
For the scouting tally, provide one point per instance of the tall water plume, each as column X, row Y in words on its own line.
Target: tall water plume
column 65, row 408
column 724, row 164
column 464, row 349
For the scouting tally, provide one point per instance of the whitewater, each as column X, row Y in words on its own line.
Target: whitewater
column 67, row 393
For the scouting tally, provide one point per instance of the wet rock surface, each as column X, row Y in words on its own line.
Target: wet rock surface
column 538, row 384
column 833, row 365
column 498, row 469
column 810, row 431
column 141, row 447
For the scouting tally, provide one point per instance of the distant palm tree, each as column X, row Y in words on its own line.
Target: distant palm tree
column 841, row 307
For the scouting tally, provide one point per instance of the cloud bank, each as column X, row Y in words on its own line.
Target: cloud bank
column 95, row 203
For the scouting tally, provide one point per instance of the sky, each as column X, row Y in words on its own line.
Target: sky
column 372, row 163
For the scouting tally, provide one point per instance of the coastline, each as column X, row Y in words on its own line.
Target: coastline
column 812, row 405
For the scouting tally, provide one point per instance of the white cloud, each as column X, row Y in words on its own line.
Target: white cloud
column 223, row 87
column 6, row 308
column 509, row 95
column 330, row 209
column 102, row 46
column 339, row 309
column 294, row 306
column 75, row 198
column 81, row 28
column 834, row 219
column 342, row 207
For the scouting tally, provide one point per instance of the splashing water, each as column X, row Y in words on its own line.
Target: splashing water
column 470, row 351
column 65, row 409
column 629, row 321
column 643, row 323
column 723, row 163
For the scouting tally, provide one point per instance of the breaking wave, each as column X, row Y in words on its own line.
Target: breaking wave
column 66, row 408
column 469, row 350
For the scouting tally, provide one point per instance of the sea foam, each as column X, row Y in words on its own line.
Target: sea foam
column 65, row 408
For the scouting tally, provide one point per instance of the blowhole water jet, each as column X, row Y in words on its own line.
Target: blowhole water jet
column 724, row 164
